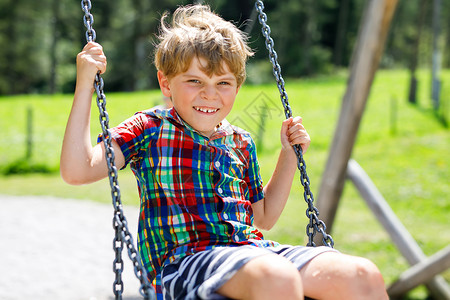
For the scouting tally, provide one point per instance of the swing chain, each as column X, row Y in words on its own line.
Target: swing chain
column 118, row 261
column 120, row 224
column 88, row 20
column 315, row 224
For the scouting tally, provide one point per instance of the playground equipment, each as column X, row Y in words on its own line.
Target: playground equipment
column 366, row 56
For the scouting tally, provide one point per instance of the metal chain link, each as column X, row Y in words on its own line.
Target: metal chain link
column 315, row 224
column 120, row 224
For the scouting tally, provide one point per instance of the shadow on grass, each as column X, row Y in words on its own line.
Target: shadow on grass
column 26, row 166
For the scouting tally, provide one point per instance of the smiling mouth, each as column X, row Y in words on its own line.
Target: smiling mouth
column 206, row 110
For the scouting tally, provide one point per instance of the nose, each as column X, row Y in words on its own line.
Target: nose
column 209, row 92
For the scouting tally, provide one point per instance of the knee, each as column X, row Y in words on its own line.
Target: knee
column 277, row 278
column 340, row 276
column 368, row 281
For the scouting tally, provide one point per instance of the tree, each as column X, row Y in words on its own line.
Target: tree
column 415, row 51
column 40, row 39
column 340, row 32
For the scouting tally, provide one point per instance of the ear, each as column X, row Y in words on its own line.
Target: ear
column 164, row 84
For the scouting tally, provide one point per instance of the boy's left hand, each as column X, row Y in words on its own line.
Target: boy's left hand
column 294, row 133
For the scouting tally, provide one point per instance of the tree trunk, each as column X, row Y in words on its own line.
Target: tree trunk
column 307, row 41
column 53, row 55
column 412, row 97
column 11, row 37
column 436, row 83
column 341, row 32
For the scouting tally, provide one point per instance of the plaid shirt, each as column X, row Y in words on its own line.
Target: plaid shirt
column 196, row 193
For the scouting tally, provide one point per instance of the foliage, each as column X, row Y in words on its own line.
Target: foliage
column 25, row 166
column 41, row 38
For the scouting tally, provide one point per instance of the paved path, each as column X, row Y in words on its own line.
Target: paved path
column 61, row 249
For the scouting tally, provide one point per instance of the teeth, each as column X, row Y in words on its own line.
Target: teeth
column 206, row 110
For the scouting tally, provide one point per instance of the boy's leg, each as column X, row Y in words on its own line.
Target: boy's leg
column 245, row 272
column 333, row 275
column 249, row 272
column 266, row 277
column 329, row 275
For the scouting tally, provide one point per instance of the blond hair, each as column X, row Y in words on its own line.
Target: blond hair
column 198, row 32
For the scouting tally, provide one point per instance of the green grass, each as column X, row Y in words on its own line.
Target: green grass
column 407, row 157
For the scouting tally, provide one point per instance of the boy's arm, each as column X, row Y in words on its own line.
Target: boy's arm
column 267, row 211
column 82, row 163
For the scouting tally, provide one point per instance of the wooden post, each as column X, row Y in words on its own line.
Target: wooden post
column 420, row 273
column 29, row 134
column 365, row 60
column 398, row 233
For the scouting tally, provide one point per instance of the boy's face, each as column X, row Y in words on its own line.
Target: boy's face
column 200, row 100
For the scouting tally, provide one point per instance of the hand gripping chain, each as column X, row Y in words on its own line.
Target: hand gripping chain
column 315, row 224
column 122, row 233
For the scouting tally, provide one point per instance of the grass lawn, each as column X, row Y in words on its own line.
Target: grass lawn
column 404, row 149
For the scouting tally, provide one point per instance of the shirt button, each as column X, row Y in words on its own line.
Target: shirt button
column 236, row 238
column 217, row 164
column 220, row 190
column 225, row 216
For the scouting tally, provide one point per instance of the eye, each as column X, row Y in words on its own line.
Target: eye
column 224, row 83
column 194, row 81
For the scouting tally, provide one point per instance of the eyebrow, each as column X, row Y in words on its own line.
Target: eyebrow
column 225, row 77
column 228, row 78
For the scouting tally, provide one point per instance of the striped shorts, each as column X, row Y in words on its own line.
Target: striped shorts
column 199, row 276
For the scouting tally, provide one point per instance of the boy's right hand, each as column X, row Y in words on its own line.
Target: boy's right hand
column 89, row 61
column 81, row 163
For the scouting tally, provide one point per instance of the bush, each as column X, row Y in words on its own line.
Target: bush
column 259, row 72
column 25, row 166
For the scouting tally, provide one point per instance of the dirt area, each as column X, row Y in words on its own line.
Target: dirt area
column 60, row 249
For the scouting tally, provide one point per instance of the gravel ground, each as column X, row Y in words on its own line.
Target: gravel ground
column 54, row 248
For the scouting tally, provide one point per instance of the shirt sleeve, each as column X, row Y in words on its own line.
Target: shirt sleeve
column 253, row 175
column 133, row 136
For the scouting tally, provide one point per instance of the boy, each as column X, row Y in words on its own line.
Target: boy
column 202, row 197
